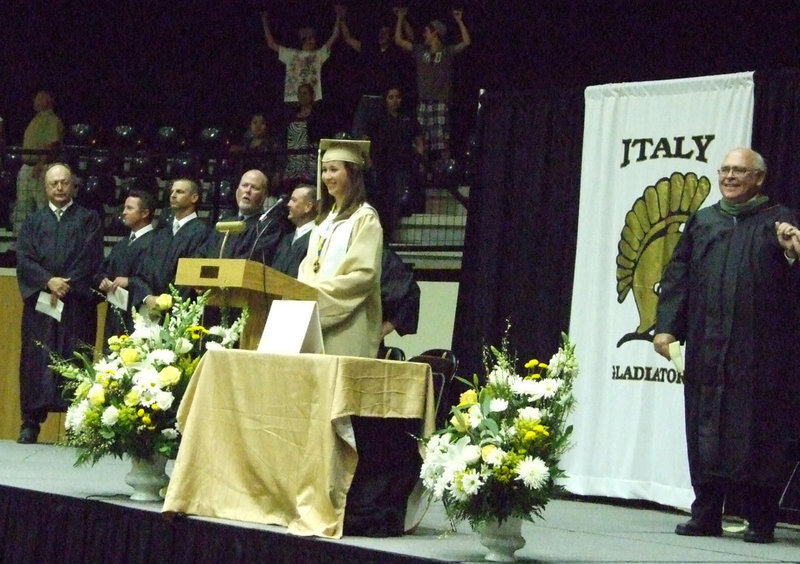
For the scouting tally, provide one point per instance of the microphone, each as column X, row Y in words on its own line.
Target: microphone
column 280, row 201
column 265, row 217
column 228, row 227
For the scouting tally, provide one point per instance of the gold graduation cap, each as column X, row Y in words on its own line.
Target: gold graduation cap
column 347, row 150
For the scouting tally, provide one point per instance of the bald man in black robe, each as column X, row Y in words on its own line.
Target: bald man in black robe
column 730, row 292
column 58, row 252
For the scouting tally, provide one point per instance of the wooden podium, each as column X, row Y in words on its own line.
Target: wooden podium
column 240, row 282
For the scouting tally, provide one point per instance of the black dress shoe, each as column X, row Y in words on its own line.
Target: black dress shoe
column 761, row 536
column 28, row 435
column 695, row 528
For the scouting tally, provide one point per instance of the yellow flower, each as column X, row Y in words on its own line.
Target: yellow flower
column 468, row 398
column 164, row 302
column 486, row 451
column 170, row 375
column 114, row 343
column 460, row 421
column 96, row 395
column 542, row 430
column 129, row 356
column 146, row 420
column 196, row 332
column 140, row 413
column 82, row 390
column 533, row 363
column 131, row 398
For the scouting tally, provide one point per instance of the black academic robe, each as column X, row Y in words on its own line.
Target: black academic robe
column 158, row 269
column 290, row 254
column 399, row 293
column 258, row 241
column 124, row 259
column 730, row 294
column 46, row 247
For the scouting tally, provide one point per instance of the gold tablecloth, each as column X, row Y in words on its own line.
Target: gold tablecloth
column 267, row 437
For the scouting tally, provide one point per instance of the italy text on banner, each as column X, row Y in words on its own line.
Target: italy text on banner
column 650, row 154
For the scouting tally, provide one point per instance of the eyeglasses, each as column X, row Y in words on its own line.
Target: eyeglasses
column 737, row 171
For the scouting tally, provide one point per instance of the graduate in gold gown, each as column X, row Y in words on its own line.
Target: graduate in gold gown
column 344, row 253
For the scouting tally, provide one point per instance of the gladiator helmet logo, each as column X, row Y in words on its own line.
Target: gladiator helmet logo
column 652, row 228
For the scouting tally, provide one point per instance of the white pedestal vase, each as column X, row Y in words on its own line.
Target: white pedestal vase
column 147, row 477
column 502, row 539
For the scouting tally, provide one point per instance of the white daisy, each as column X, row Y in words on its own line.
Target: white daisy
column 533, row 472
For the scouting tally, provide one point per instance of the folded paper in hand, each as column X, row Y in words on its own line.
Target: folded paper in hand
column 676, row 356
column 43, row 306
column 118, row 298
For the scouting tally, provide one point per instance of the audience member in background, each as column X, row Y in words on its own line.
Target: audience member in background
column 398, row 162
column 263, row 230
column 260, row 148
column 434, row 65
column 344, row 254
column 118, row 268
column 59, row 250
column 302, row 135
column 186, row 236
column 293, row 246
column 303, row 66
column 44, row 133
column 381, row 65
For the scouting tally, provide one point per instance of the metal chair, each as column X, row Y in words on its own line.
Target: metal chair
column 443, row 369
column 392, row 353
column 444, row 353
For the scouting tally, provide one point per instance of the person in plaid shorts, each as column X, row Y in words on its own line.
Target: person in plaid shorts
column 434, row 65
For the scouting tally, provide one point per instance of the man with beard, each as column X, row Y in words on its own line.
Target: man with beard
column 263, row 230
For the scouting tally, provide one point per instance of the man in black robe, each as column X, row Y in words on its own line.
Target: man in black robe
column 263, row 230
column 58, row 252
column 119, row 267
column 293, row 246
column 399, row 295
column 729, row 292
column 186, row 236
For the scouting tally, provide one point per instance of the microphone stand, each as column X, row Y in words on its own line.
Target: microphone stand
column 224, row 242
column 267, row 219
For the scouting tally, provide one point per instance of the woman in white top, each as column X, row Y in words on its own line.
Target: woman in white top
column 344, row 253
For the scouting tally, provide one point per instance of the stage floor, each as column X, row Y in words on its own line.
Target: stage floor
column 571, row 531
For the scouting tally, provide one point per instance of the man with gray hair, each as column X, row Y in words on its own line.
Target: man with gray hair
column 59, row 250
column 263, row 230
column 730, row 292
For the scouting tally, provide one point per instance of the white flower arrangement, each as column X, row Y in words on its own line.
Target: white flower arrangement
column 127, row 402
column 498, row 456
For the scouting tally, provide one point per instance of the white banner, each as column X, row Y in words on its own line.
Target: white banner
column 650, row 155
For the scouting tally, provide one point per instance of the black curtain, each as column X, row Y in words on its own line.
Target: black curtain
column 521, row 232
column 776, row 132
column 776, row 135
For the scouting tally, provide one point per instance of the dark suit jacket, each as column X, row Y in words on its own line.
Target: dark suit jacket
column 158, row 269
column 290, row 254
